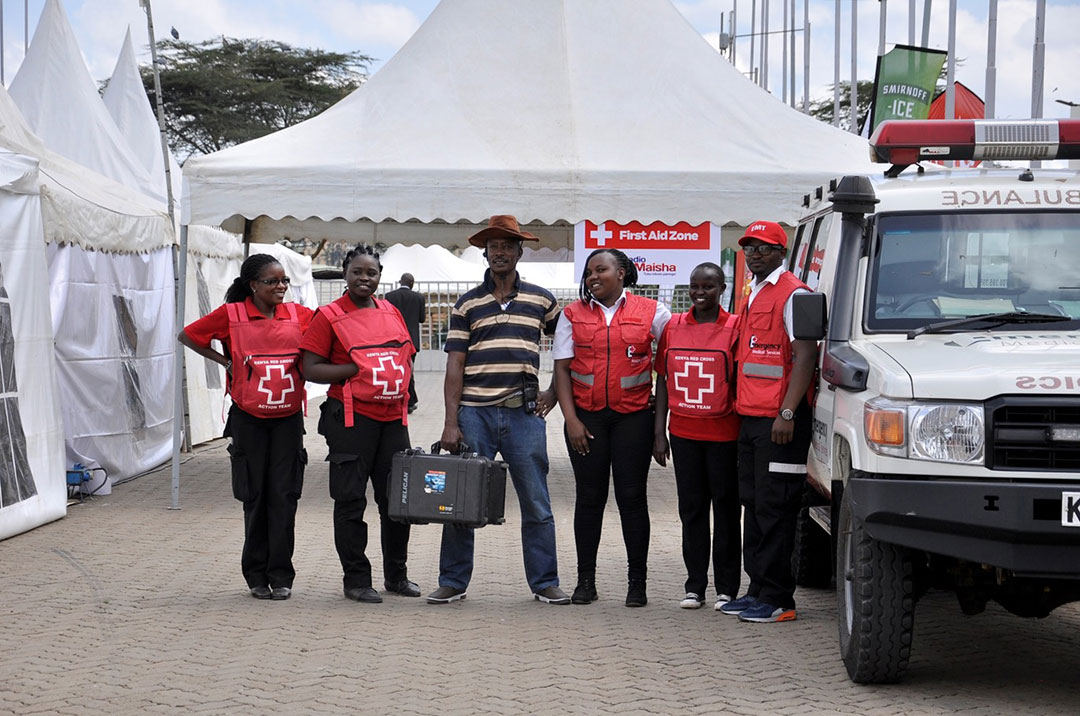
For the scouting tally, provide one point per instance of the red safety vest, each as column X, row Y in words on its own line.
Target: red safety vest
column 764, row 350
column 266, row 380
column 699, row 366
column 612, row 365
column 378, row 342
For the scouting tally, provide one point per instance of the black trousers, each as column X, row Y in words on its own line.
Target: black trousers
column 268, row 458
column 621, row 448
column 771, row 479
column 412, row 390
column 358, row 454
column 707, row 479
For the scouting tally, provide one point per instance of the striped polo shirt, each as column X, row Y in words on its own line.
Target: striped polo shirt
column 499, row 345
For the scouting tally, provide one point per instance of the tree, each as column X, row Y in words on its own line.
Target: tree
column 864, row 97
column 225, row 91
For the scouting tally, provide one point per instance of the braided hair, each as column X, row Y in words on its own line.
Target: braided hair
column 250, row 270
column 623, row 261
column 360, row 250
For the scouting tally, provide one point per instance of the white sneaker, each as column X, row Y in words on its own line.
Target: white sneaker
column 691, row 601
column 721, row 600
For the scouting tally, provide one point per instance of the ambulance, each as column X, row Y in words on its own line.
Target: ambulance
column 946, row 430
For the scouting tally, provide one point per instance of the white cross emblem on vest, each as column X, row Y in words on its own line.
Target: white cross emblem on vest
column 387, row 364
column 276, row 387
column 700, row 382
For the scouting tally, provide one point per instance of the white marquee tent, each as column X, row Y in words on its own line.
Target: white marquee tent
column 110, row 265
column 549, row 110
column 60, row 101
column 32, row 484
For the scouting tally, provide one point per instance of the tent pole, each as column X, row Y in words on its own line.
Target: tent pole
column 836, row 69
column 178, row 368
column 160, row 110
column 991, row 59
column 853, row 95
column 806, row 58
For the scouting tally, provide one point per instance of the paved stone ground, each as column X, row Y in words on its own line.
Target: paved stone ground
column 127, row 607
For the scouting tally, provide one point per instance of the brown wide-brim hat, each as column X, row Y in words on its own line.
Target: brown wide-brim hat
column 501, row 226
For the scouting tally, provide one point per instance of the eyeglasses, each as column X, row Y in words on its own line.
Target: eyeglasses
column 761, row 249
column 274, row 281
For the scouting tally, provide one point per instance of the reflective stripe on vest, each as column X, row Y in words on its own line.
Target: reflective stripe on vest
column 763, row 371
column 632, row 381
column 586, row 379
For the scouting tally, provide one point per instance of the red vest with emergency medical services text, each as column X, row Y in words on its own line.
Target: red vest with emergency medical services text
column 378, row 342
column 699, row 362
column 612, row 364
column 266, row 380
column 764, row 350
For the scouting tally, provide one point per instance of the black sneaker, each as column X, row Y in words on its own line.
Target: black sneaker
column 635, row 593
column 585, row 591
column 261, row 592
column 552, row 595
column 445, row 595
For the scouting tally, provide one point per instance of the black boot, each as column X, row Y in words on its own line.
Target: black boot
column 635, row 593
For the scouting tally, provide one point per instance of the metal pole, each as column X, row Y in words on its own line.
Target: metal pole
column 1038, row 60
column 926, row 22
column 753, row 35
column 178, row 368
column 882, row 18
column 734, row 28
column 791, row 42
column 806, row 57
column 2, row 42
column 765, row 45
column 950, row 76
column 836, row 69
column 854, row 94
column 991, row 59
column 784, row 44
column 911, row 22
column 26, row 26
column 160, row 109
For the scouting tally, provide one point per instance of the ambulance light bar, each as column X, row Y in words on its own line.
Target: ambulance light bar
column 901, row 142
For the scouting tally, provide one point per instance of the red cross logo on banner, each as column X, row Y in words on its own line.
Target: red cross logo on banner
column 380, row 377
column 276, row 384
column 600, row 234
column 694, row 383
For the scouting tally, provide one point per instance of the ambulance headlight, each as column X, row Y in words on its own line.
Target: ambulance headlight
column 940, row 432
column 949, row 432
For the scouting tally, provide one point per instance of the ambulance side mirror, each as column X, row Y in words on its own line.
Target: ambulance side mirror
column 809, row 316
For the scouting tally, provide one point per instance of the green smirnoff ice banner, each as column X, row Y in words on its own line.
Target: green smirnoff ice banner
column 904, row 83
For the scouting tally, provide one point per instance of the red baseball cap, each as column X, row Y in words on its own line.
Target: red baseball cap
column 768, row 231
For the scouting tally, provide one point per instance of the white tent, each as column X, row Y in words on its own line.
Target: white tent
column 427, row 263
column 32, row 485
column 60, row 101
column 125, row 99
column 548, row 110
column 110, row 265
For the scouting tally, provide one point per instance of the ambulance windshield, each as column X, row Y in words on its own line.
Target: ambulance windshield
column 929, row 268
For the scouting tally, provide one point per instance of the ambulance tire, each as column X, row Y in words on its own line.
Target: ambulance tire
column 875, row 602
column 811, row 560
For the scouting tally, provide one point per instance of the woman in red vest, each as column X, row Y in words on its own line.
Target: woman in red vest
column 261, row 334
column 694, row 366
column 603, row 376
column 361, row 347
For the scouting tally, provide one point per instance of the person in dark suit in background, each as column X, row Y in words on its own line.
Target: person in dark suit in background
column 413, row 308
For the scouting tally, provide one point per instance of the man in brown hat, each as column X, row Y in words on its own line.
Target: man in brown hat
column 494, row 405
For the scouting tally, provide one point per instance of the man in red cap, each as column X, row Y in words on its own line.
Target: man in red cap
column 774, row 374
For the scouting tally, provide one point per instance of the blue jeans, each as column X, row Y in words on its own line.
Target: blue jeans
column 521, row 439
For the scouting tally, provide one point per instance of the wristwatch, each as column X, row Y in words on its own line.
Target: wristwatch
column 787, row 414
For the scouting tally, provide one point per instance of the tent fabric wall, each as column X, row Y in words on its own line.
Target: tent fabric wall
column 560, row 113
column 113, row 318
column 32, row 485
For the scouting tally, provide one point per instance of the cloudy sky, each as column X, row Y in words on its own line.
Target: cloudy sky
column 379, row 28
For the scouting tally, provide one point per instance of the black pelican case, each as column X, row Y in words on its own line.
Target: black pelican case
column 463, row 489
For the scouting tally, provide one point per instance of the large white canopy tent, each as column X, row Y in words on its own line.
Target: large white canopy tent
column 32, row 484
column 110, row 267
column 60, row 102
column 553, row 111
